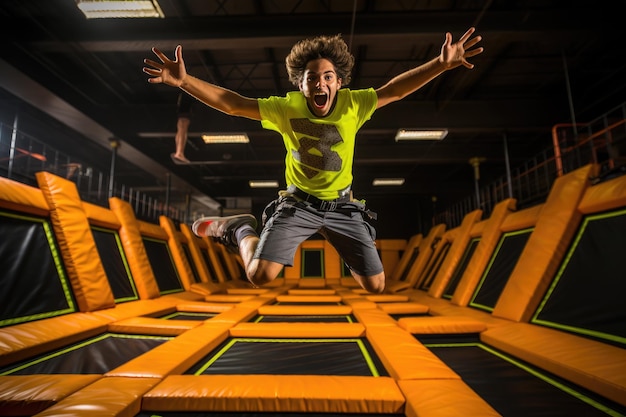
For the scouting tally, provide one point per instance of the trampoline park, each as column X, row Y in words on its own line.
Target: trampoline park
column 520, row 313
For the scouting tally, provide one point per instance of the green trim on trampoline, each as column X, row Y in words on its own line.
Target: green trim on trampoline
column 455, row 279
column 568, row 256
column 81, row 345
column 494, row 255
column 231, row 342
column 59, row 267
column 533, row 372
column 129, row 274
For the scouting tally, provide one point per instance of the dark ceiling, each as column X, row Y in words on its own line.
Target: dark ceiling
column 545, row 62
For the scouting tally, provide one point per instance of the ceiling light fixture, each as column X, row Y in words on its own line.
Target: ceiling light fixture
column 263, row 184
column 378, row 182
column 225, row 138
column 415, row 134
column 103, row 9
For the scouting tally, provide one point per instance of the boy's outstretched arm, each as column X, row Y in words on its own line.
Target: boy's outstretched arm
column 174, row 73
column 452, row 55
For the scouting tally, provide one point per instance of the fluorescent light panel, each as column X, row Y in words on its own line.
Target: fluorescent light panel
column 415, row 134
column 102, row 9
column 263, row 184
column 225, row 138
column 379, row 182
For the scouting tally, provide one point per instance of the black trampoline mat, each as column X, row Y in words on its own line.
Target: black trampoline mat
column 515, row 388
column 350, row 356
column 97, row 355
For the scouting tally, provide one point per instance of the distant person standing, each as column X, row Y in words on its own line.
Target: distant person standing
column 184, row 107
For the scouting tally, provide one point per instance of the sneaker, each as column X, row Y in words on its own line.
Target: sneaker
column 222, row 228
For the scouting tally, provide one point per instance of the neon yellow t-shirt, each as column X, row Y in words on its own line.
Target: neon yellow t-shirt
column 320, row 151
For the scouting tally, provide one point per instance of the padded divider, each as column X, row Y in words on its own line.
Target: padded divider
column 25, row 395
column 455, row 253
column 546, row 246
column 23, row 198
column 359, row 302
column 390, row 250
column 236, row 315
column 403, row 263
column 387, row 298
column 202, row 307
column 404, row 308
column 443, row 398
column 599, row 367
column 441, row 325
column 605, row 196
column 276, row 393
column 100, row 216
column 480, row 258
column 78, row 248
column 174, row 356
column 293, row 330
column 373, row 317
column 106, row 397
column 152, row 326
column 175, row 242
column 22, row 341
column 308, row 298
column 135, row 251
column 415, row 270
column 304, row 310
column 404, row 357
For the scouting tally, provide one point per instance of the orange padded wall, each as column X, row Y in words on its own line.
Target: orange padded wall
column 135, row 251
column 78, row 247
column 546, row 246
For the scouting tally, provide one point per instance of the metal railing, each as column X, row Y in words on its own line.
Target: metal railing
column 601, row 141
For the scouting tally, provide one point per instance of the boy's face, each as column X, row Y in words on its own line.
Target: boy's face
column 320, row 85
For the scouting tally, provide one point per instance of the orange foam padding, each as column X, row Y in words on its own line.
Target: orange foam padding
column 175, row 241
column 119, row 397
column 332, row 262
column 359, row 302
column 312, row 291
column 26, row 395
column 522, row 219
column 196, row 246
column 292, row 329
column 491, row 234
column 605, row 196
column 176, row 355
column 387, row 298
column 157, row 307
column 312, row 283
column 202, row 307
column 235, row 315
column 100, row 216
column 276, row 393
column 416, row 269
column 78, row 248
column 132, row 242
column 390, row 250
column 23, row 198
column 304, row 310
column 248, row 291
column 545, row 248
column 396, row 273
column 373, row 317
column 404, row 357
column 455, row 253
column 228, row 298
column 309, row 298
column 441, row 325
column 443, row 398
column 153, row 326
column 25, row 340
column 599, row 367
column 404, row 308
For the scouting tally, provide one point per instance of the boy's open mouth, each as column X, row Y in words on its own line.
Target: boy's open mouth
column 320, row 99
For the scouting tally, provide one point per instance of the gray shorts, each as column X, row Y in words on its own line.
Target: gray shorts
column 288, row 222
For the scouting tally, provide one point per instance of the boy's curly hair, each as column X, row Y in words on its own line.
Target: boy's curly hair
column 332, row 48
